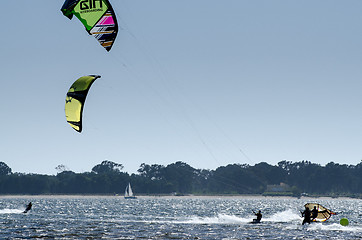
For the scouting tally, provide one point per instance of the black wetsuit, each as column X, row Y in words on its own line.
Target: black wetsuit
column 258, row 216
column 314, row 213
column 28, row 207
column 306, row 215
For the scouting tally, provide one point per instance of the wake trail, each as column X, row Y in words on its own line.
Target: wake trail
column 11, row 211
column 284, row 216
column 280, row 217
column 334, row 227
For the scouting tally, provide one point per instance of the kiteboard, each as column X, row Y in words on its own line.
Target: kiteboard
column 255, row 221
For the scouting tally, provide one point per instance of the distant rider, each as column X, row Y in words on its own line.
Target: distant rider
column 258, row 216
column 28, row 207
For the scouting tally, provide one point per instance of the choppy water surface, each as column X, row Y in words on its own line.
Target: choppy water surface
column 73, row 217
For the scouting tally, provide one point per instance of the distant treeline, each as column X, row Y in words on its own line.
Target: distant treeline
column 180, row 178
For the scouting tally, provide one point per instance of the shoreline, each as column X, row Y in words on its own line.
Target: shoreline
column 26, row 196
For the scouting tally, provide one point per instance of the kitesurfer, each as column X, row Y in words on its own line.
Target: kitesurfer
column 306, row 215
column 258, row 217
column 314, row 213
column 28, row 207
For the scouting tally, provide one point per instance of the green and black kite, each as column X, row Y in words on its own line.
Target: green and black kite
column 97, row 16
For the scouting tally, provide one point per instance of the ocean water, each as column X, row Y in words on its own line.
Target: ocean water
column 113, row 217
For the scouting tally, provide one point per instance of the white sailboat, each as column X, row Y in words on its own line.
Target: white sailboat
column 128, row 193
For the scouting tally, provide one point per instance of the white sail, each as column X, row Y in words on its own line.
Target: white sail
column 128, row 192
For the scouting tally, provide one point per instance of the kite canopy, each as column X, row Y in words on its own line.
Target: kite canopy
column 323, row 213
column 75, row 99
column 97, row 17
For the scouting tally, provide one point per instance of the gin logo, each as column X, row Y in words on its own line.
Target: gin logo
column 90, row 4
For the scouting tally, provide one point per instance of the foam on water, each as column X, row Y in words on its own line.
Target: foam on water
column 219, row 219
column 280, row 217
column 11, row 211
column 284, row 216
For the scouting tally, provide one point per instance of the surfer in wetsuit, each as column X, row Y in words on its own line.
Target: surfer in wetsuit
column 28, row 207
column 306, row 215
column 258, row 216
column 314, row 213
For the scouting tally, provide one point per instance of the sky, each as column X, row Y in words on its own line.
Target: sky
column 206, row 82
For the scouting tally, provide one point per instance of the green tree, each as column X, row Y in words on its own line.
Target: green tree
column 235, row 178
column 107, row 167
column 181, row 176
column 4, row 169
column 269, row 174
column 153, row 172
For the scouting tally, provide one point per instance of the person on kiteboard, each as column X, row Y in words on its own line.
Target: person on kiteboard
column 258, row 216
column 28, row 207
column 306, row 215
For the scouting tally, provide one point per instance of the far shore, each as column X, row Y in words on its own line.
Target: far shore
column 164, row 196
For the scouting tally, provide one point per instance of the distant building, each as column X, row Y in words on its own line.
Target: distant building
column 278, row 190
column 282, row 187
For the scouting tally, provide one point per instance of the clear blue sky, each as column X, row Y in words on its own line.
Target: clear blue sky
column 205, row 82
